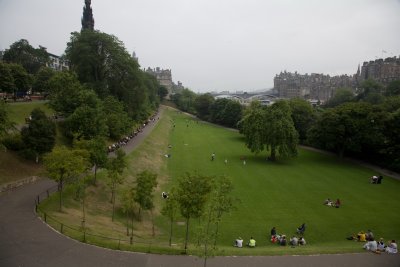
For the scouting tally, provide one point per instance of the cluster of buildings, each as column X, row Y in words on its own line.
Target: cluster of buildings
column 164, row 77
column 321, row 87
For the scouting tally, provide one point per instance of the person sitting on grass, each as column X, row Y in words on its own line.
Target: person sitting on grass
column 283, row 241
column 381, row 245
column 338, row 203
column 369, row 236
column 374, row 179
column 252, row 243
column 301, row 229
column 392, row 247
column 371, row 245
column 328, row 202
column 239, row 242
column 294, row 241
column 302, row 241
column 379, row 181
column 361, row 237
column 273, row 231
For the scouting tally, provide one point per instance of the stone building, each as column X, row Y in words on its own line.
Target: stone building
column 322, row 87
column 164, row 77
column 383, row 71
column 57, row 63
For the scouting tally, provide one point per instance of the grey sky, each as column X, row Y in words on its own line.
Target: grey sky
column 221, row 44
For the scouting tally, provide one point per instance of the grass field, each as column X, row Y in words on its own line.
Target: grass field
column 21, row 110
column 282, row 194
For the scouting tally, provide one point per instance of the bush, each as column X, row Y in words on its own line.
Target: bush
column 27, row 154
column 13, row 142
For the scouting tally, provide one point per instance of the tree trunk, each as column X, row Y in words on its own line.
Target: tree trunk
column 95, row 174
column 272, row 157
column 170, row 232
column 60, row 188
column 113, row 207
column 83, row 211
column 216, row 234
column 152, row 222
column 127, row 223
column 187, row 234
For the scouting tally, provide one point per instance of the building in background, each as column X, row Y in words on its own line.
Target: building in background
column 164, row 77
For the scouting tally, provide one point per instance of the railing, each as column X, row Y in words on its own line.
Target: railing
column 82, row 234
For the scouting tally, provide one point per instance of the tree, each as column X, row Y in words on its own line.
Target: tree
column 202, row 105
column 342, row 95
column 192, row 194
column 40, row 135
column 116, row 118
column 232, row 113
column 303, row 117
column 41, row 80
column 162, row 92
column 5, row 123
column 145, row 184
column 217, row 110
column 128, row 207
column 115, row 167
column 170, row 209
column 21, row 52
column 281, row 136
column 22, row 80
column 97, row 153
column 371, row 91
column 392, row 89
column 62, row 164
column 253, row 128
column 64, row 92
column 185, row 100
column 6, row 78
column 352, row 127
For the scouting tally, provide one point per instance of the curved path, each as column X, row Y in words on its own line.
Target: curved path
column 26, row 241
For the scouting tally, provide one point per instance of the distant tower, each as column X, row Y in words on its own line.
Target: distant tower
column 87, row 18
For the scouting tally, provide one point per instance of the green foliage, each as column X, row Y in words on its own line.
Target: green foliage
column 40, row 134
column 13, row 142
column 5, row 123
column 63, row 164
column 170, row 210
column 192, row 194
column 32, row 59
column 226, row 112
column 102, row 63
column 117, row 120
column 202, row 105
column 22, row 80
column 252, row 127
column 303, row 116
column 145, row 184
column 371, row 91
column 185, row 100
column 162, row 92
column 342, row 95
column 64, row 93
column 97, row 152
column 42, row 79
column 6, row 78
column 392, row 89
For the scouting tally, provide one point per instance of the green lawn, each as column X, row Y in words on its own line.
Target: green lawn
column 282, row 194
column 286, row 194
column 21, row 110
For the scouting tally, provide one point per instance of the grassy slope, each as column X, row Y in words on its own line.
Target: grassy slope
column 21, row 110
column 12, row 167
column 286, row 194
column 283, row 194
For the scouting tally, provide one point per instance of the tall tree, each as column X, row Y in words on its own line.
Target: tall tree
column 145, row 184
column 32, row 59
column 342, row 95
column 192, row 195
column 62, row 164
column 115, row 168
column 97, row 153
column 22, row 80
column 281, row 136
column 40, row 134
column 6, row 78
column 169, row 210
column 253, row 128
column 5, row 123
column 303, row 116
column 117, row 119
column 41, row 80
column 128, row 207
column 202, row 105
column 87, row 18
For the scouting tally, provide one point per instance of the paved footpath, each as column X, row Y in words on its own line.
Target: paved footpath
column 25, row 241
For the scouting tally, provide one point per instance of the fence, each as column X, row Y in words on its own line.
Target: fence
column 82, row 234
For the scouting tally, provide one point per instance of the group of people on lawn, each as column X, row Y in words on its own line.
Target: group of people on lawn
column 372, row 245
column 277, row 239
column 330, row 203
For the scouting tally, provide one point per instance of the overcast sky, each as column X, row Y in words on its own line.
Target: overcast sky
column 221, row 44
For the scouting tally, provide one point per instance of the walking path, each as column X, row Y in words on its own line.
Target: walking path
column 27, row 241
